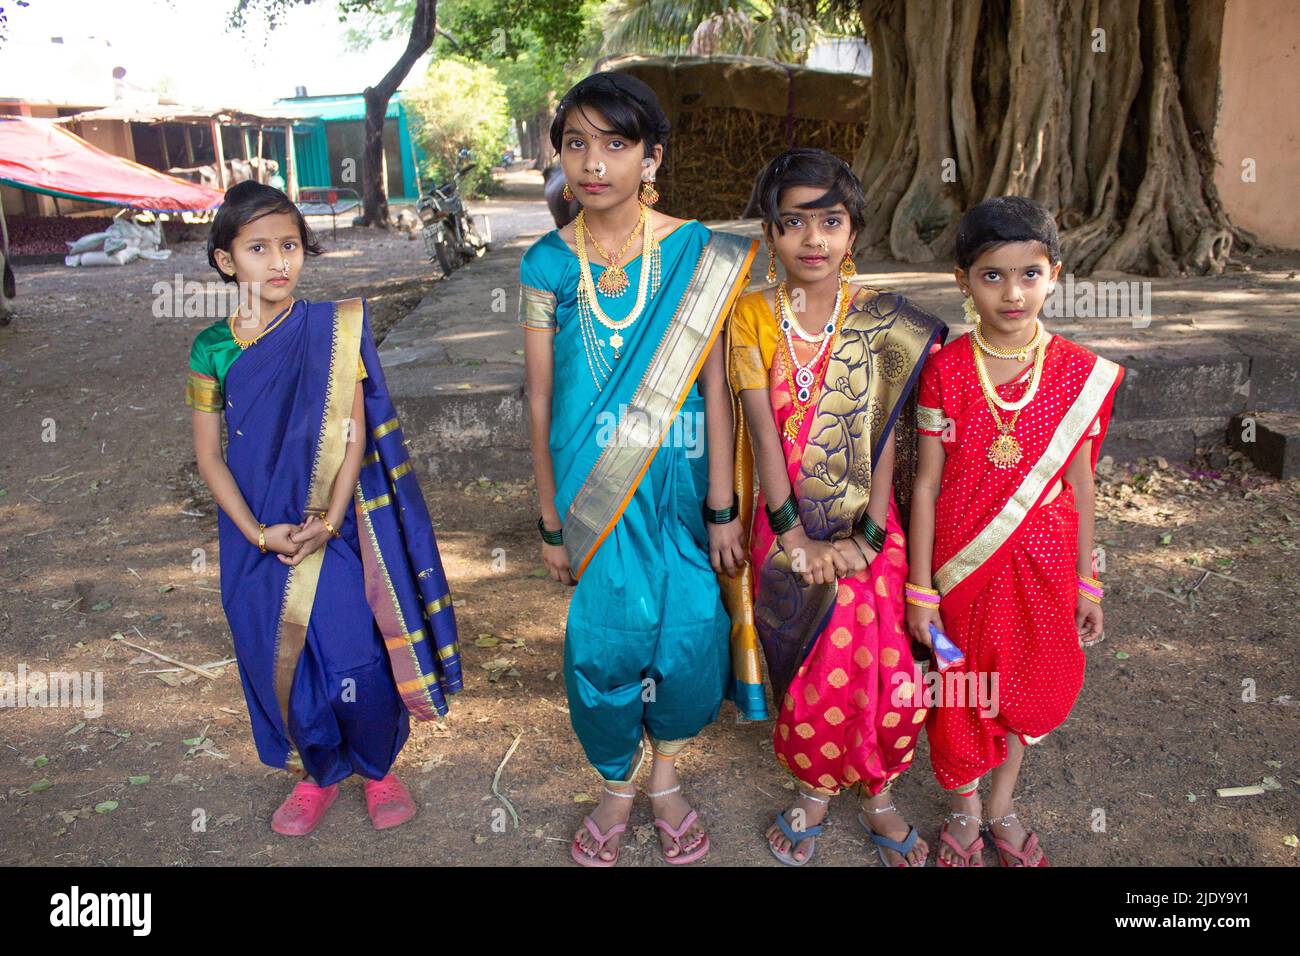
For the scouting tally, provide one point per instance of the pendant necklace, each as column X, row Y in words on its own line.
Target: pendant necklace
column 801, row 377
column 1005, row 450
column 589, row 310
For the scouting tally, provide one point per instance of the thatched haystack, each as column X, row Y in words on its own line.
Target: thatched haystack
column 730, row 114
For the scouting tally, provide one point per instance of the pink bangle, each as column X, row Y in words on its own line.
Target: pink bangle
column 926, row 597
column 1090, row 588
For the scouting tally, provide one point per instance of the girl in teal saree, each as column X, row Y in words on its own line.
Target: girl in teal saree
column 631, row 433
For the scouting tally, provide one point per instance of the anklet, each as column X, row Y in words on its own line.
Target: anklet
column 964, row 818
column 813, row 797
column 620, row 793
column 1000, row 820
column 664, row 793
column 881, row 810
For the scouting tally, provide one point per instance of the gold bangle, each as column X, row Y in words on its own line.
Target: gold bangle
column 261, row 537
column 324, row 517
column 919, row 603
column 1087, row 580
column 1091, row 597
column 924, row 590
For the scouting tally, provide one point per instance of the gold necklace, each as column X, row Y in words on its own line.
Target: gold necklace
column 1020, row 354
column 804, row 388
column 245, row 343
column 589, row 310
column 1005, row 451
column 613, row 281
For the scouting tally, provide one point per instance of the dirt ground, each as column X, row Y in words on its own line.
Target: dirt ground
column 97, row 536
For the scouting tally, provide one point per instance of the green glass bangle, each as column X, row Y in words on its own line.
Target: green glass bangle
column 723, row 515
column 785, row 517
column 550, row 537
column 874, row 534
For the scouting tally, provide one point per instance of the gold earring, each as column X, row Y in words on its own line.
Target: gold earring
column 968, row 307
column 649, row 195
column 568, row 194
column 848, row 268
column 771, row 265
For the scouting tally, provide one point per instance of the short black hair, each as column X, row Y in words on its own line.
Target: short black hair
column 1002, row 219
column 629, row 104
column 247, row 202
column 809, row 167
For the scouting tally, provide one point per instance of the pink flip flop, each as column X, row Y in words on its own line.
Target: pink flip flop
column 676, row 833
column 388, row 802
column 581, row 856
column 303, row 808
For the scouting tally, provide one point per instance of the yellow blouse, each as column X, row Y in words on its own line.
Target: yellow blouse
column 754, row 340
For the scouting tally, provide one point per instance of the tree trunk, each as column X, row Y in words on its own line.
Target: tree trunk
column 1095, row 108
column 374, row 191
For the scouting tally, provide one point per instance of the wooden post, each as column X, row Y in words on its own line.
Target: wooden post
column 189, row 147
column 291, row 164
column 162, row 138
column 220, row 153
column 248, row 148
column 261, row 176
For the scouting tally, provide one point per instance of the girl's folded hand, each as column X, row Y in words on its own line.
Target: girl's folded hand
column 308, row 537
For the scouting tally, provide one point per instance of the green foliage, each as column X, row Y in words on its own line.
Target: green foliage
column 459, row 104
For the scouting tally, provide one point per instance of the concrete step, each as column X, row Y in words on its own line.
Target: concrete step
column 1211, row 347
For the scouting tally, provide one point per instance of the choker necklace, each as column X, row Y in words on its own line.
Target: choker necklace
column 1020, row 354
column 801, row 377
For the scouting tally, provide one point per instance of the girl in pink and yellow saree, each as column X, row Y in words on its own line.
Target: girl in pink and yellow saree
column 827, row 567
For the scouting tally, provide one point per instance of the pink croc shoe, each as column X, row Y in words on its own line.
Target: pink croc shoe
column 303, row 808
column 389, row 802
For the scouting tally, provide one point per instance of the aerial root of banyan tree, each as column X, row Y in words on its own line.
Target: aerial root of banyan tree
column 1108, row 130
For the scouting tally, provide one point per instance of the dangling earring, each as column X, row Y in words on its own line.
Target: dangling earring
column 771, row 265
column 649, row 195
column 848, row 268
column 568, row 194
column 968, row 307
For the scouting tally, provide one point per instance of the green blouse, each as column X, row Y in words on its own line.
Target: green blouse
column 213, row 352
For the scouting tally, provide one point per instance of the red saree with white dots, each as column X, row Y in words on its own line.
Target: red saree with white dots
column 1006, row 546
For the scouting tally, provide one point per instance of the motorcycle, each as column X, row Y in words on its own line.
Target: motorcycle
column 450, row 235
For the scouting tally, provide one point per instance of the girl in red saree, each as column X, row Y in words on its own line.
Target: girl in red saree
column 1011, row 419
column 824, row 370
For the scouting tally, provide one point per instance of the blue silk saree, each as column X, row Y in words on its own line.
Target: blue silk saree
column 647, row 637
column 335, row 653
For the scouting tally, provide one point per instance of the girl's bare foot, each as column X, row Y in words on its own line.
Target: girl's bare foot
column 890, row 823
column 672, row 808
column 806, row 813
column 611, row 811
column 965, row 829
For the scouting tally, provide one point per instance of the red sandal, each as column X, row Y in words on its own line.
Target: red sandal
column 303, row 808
column 972, row 855
column 1003, row 847
column 388, row 802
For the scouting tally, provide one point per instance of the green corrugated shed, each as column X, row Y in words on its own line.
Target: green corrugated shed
column 311, row 139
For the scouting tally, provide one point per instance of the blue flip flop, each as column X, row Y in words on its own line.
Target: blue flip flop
column 787, row 857
column 883, row 842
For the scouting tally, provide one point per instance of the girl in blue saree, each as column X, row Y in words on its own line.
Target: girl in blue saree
column 631, row 436
column 330, row 575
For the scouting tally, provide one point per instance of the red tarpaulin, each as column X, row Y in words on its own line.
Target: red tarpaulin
column 43, row 157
